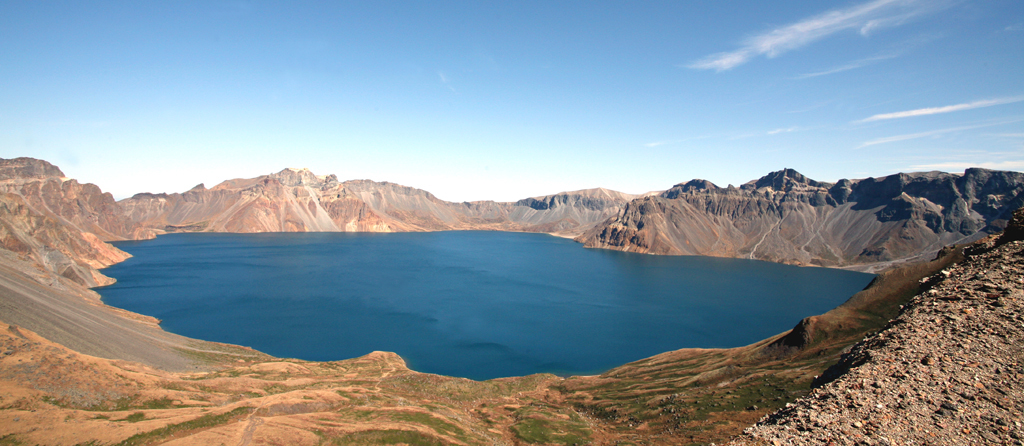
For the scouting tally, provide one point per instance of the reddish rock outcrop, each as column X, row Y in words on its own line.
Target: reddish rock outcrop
column 60, row 225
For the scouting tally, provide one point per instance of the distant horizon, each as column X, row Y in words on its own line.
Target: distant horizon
column 515, row 99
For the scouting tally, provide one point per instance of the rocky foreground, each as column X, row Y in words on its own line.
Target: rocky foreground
column 947, row 371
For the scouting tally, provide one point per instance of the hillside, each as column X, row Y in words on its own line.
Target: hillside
column 787, row 217
column 296, row 200
column 947, row 370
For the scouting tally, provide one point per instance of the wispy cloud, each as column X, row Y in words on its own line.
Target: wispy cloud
column 676, row 141
column 850, row 66
column 785, row 130
column 444, row 80
column 810, row 108
column 960, row 165
column 910, row 136
column 865, row 18
column 659, row 143
column 945, row 109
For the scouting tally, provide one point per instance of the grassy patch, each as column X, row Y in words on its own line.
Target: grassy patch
column 390, row 436
column 203, row 422
column 162, row 403
column 538, row 425
column 537, row 430
column 438, row 425
column 135, row 417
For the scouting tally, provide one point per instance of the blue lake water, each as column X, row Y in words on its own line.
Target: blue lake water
column 479, row 305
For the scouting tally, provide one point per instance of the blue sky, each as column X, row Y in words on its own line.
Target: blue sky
column 504, row 100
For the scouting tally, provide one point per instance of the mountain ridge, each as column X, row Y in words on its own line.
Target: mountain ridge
column 787, row 217
column 866, row 224
column 298, row 200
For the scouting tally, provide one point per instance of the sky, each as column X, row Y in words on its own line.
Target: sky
column 482, row 100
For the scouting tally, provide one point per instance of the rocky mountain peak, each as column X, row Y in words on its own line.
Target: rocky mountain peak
column 27, row 168
column 696, row 185
column 784, row 180
column 297, row 177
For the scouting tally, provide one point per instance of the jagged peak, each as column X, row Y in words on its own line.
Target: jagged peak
column 694, row 185
column 293, row 176
column 783, row 180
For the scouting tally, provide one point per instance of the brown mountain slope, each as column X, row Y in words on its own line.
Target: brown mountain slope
column 58, row 224
column 295, row 200
column 786, row 217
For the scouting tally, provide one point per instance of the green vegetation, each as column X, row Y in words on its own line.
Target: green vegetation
column 437, row 424
column 203, row 422
column 546, row 425
column 135, row 417
column 389, row 436
column 10, row 440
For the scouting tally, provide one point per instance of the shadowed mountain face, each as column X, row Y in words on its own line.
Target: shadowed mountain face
column 295, row 200
column 787, row 217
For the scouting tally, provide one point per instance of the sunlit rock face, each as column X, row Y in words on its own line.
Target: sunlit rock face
column 60, row 225
column 787, row 217
column 296, row 200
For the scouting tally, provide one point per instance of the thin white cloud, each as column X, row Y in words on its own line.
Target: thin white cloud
column 865, row 18
column 810, row 108
column 676, row 141
column 910, row 136
column 960, row 165
column 945, row 109
column 785, row 130
column 850, row 66
column 444, row 80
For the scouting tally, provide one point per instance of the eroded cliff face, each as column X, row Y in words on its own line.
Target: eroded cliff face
column 82, row 206
column 296, row 200
column 59, row 225
column 786, row 217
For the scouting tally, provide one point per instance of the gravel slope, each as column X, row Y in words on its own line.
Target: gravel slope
column 948, row 371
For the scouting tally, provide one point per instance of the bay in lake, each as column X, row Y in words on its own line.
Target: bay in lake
column 472, row 304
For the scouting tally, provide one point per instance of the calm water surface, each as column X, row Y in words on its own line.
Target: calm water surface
column 473, row 304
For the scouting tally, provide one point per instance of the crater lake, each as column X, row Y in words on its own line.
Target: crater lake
column 472, row 304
